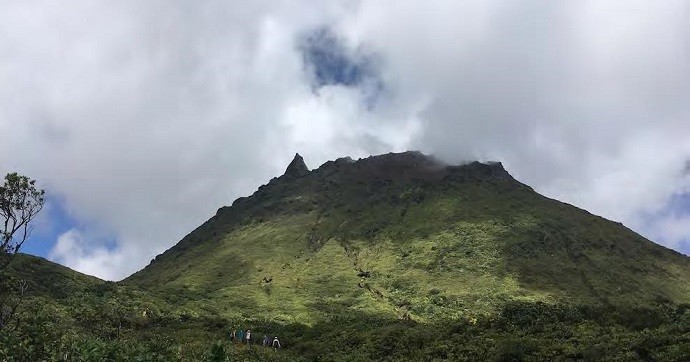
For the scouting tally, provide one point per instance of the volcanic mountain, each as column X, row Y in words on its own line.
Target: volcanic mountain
column 404, row 235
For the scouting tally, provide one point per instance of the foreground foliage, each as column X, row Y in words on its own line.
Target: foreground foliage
column 20, row 202
column 521, row 331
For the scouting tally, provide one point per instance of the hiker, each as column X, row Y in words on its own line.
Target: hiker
column 248, row 336
column 266, row 341
column 276, row 342
column 232, row 336
column 240, row 335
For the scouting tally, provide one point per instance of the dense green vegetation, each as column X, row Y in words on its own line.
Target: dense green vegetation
column 521, row 331
column 393, row 257
column 400, row 236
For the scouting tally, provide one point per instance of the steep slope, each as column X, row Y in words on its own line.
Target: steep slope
column 404, row 235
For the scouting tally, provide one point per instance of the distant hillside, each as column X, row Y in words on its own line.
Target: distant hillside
column 48, row 279
column 405, row 236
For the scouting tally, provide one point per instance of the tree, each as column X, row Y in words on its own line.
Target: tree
column 20, row 202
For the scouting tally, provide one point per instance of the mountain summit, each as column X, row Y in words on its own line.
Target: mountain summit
column 407, row 236
column 296, row 168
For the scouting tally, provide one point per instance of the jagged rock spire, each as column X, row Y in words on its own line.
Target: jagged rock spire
column 296, row 168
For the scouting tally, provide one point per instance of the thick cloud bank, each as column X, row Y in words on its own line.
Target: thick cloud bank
column 146, row 116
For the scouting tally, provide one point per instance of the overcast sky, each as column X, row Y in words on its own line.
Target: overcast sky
column 141, row 118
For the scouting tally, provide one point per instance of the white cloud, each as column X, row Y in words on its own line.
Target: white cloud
column 73, row 249
column 674, row 230
column 585, row 101
column 147, row 116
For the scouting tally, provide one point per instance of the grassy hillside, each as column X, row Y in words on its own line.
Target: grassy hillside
column 403, row 236
column 66, row 315
column 48, row 279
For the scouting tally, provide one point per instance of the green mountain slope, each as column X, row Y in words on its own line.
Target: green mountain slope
column 66, row 315
column 404, row 236
column 44, row 278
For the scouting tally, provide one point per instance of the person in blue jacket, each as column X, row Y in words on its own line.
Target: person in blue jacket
column 240, row 336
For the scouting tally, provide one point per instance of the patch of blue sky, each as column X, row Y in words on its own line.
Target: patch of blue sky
column 677, row 205
column 329, row 61
column 53, row 221
column 669, row 225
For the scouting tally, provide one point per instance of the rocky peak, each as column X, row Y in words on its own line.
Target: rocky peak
column 296, row 168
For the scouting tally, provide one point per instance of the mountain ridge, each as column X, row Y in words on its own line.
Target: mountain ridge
column 406, row 235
